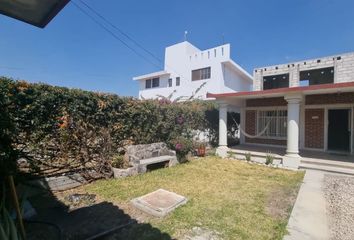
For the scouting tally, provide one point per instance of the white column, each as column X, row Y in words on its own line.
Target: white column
column 292, row 157
column 222, row 149
column 222, row 124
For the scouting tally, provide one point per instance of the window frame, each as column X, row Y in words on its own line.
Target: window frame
column 178, row 81
column 280, row 118
column 316, row 71
column 201, row 74
column 152, row 83
column 148, row 83
column 155, row 82
column 271, row 77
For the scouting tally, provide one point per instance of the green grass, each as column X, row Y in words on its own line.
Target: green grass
column 230, row 197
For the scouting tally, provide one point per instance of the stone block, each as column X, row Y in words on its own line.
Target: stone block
column 159, row 203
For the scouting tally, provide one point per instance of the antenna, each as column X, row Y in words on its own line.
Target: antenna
column 185, row 35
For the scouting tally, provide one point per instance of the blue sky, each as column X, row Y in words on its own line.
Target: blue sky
column 73, row 51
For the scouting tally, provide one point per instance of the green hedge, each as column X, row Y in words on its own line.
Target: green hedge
column 69, row 128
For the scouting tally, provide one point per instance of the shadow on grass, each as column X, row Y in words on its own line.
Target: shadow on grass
column 54, row 220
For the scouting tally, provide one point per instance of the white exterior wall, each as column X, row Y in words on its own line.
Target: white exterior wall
column 182, row 58
column 343, row 69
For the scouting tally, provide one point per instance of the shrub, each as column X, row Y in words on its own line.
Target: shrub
column 72, row 129
column 248, row 157
column 182, row 145
column 119, row 162
column 269, row 158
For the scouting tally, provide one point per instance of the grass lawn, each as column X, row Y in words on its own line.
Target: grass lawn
column 236, row 199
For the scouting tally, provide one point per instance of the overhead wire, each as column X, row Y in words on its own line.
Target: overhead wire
column 113, row 34
column 122, row 33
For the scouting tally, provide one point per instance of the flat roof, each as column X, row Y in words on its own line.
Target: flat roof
column 322, row 88
column 151, row 75
column 238, row 68
column 304, row 60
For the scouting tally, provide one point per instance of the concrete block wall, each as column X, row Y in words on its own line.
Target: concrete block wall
column 343, row 69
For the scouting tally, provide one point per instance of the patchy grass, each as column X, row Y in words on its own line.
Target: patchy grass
column 236, row 199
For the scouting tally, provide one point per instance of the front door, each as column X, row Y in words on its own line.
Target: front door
column 339, row 130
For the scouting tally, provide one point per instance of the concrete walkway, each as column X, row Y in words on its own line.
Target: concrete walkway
column 308, row 219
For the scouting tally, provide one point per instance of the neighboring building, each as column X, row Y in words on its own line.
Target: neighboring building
column 189, row 71
column 306, row 105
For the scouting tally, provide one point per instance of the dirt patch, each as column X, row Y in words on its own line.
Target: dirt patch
column 198, row 233
column 280, row 202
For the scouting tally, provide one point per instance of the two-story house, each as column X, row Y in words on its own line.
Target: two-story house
column 301, row 106
column 189, row 71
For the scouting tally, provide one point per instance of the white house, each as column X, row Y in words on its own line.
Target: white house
column 189, row 71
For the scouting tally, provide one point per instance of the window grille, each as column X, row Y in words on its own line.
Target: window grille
column 277, row 123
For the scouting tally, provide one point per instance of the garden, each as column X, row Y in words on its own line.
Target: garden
column 51, row 132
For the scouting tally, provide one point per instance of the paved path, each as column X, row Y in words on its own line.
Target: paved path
column 308, row 220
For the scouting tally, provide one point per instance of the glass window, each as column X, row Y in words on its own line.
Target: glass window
column 275, row 123
column 200, row 74
column 276, row 81
column 170, row 82
column 155, row 82
column 317, row 76
column 148, row 83
column 178, row 81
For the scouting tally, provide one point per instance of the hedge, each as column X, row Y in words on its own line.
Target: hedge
column 61, row 128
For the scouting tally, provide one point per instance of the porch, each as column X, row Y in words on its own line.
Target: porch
column 316, row 160
column 285, row 121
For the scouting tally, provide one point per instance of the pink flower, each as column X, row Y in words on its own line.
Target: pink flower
column 178, row 146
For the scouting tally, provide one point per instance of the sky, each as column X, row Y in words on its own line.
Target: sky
column 75, row 52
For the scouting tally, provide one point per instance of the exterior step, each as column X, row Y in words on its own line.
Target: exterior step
column 326, row 168
column 330, row 163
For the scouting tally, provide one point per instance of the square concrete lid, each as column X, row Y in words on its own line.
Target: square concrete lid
column 159, row 203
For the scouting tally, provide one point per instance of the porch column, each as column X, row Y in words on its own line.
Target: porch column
column 222, row 149
column 292, row 157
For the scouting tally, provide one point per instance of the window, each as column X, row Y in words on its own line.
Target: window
column 317, row 76
column 170, row 82
column 178, row 81
column 274, row 121
column 155, row 82
column 199, row 74
column 149, row 83
column 276, row 81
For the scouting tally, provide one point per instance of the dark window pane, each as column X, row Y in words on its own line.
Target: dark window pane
column 155, row 82
column 195, row 75
column 170, row 82
column 276, row 81
column 178, row 81
column 318, row 76
column 148, row 83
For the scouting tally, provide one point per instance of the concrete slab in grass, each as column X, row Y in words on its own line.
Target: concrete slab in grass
column 159, row 203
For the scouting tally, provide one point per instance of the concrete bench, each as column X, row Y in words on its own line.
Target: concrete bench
column 151, row 156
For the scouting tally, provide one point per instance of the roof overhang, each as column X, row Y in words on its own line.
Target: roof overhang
column 152, row 75
column 231, row 64
column 35, row 12
column 280, row 92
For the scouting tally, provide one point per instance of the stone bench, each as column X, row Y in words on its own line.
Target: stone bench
column 154, row 155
